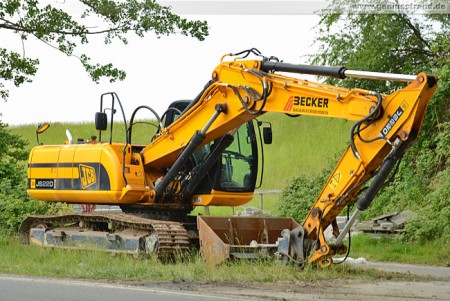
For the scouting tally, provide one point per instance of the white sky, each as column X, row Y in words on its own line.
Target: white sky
column 159, row 71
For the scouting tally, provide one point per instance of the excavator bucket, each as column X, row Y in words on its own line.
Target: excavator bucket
column 222, row 238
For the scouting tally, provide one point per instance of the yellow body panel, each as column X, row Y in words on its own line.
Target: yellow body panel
column 218, row 198
column 77, row 197
column 78, row 173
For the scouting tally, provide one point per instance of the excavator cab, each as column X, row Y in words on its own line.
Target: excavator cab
column 236, row 168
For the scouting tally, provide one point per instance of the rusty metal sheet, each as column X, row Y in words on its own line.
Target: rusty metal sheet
column 240, row 237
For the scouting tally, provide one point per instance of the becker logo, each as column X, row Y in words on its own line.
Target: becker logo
column 87, row 176
column 306, row 101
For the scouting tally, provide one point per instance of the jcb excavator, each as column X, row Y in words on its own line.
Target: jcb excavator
column 205, row 153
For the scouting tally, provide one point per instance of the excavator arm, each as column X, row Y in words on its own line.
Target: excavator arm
column 242, row 90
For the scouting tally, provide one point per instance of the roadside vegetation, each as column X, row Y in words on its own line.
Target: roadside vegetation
column 16, row 258
column 384, row 249
column 371, row 42
column 15, row 204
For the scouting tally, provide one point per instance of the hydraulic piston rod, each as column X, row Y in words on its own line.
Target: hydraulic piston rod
column 380, row 75
column 338, row 72
column 196, row 140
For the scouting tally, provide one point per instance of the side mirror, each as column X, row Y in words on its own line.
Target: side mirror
column 40, row 129
column 101, row 121
column 267, row 135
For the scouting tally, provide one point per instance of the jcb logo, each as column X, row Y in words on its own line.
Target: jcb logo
column 87, row 176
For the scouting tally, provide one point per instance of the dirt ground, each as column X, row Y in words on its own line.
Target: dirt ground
column 329, row 290
column 429, row 283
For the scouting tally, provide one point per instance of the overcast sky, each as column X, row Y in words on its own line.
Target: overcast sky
column 159, row 71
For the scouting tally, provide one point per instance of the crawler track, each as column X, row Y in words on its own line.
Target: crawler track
column 171, row 237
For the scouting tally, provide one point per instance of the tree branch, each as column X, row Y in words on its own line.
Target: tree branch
column 416, row 51
column 16, row 27
column 416, row 32
column 59, row 30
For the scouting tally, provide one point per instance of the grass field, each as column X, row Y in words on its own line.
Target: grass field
column 16, row 258
column 389, row 250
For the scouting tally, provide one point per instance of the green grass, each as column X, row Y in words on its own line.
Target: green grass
column 392, row 250
column 302, row 145
column 56, row 134
column 16, row 258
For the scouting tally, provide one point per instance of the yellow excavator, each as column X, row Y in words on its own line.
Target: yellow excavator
column 205, row 153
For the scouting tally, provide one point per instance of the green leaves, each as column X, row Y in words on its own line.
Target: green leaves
column 299, row 195
column 16, row 69
column 394, row 43
column 16, row 205
column 141, row 17
column 9, row 7
column 11, row 147
column 406, row 44
column 14, row 200
column 57, row 27
column 432, row 220
column 97, row 71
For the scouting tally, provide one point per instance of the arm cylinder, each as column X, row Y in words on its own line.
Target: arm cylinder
column 338, row 72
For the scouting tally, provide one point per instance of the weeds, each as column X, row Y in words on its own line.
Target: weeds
column 16, row 258
column 395, row 250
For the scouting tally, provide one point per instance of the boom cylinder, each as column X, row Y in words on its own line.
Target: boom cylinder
column 210, row 161
column 195, row 141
